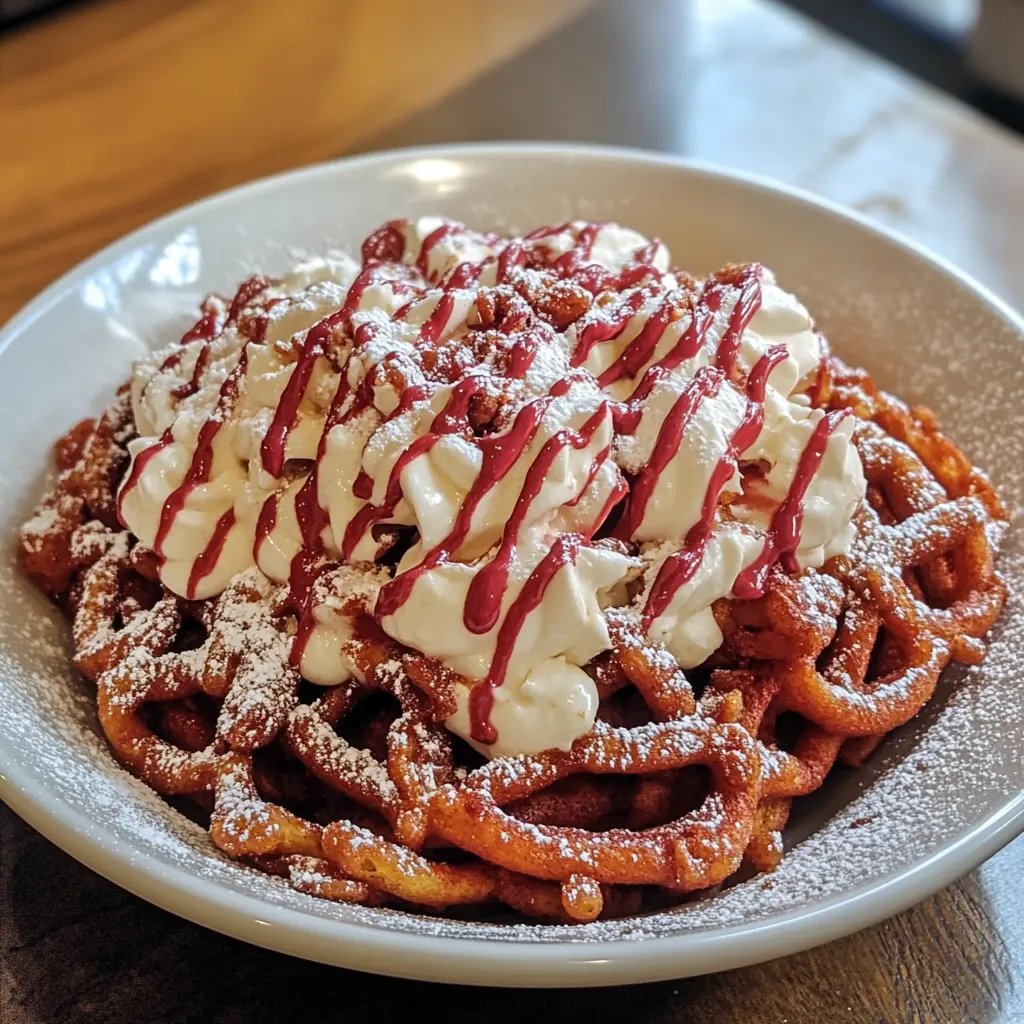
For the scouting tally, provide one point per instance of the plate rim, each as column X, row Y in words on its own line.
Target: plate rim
column 486, row 961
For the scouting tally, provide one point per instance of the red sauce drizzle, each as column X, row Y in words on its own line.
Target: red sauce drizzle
column 522, row 355
column 435, row 238
column 643, row 346
column 548, row 231
column 512, row 257
column 595, row 468
column 318, row 338
column 202, row 461
column 611, row 325
column 311, row 560
column 197, row 474
column 255, row 321
column 690, row 342
column 247, row 293
column 214, row 312
column 450, row 420
column 578, row 256
column 783, row 536
column 362, row 486
column 487, row 590
column 308, row 564
column 139, row 464
column 747, row 305
column 265, row 524
column 681, row 566
column 191, row 386
column 317, row 343
column 216, row 315
column 706, row 384
column 645, row 255
column 207, row 560
column 435, row 324
column 401, row 279
column 464, row 275
column 199, row 469
column 380, row 252
column 563, row 552
column 386, row 244
column 499, row 455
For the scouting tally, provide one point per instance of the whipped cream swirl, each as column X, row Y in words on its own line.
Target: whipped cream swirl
column 478, row 412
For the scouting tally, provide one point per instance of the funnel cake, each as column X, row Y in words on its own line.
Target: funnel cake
column 529, row 572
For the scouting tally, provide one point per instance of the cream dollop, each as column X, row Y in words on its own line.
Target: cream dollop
column 378, row 449
column 555, row 704
column 687, row 627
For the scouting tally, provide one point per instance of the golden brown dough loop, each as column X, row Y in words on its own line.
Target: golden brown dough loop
column 316, row 876
column 651, row 669
column 361, row 795
column 404, row 874
column 243, row 824
column 418, row 755
column 697, row 850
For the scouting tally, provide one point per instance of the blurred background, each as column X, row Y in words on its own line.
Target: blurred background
column 113, row 112
column 972, row 48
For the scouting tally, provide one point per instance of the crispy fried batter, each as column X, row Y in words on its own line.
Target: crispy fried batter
column 361, row 795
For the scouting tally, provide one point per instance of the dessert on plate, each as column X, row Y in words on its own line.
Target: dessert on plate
column 523, row 571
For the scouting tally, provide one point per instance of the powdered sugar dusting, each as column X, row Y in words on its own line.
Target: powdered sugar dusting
column 342, row 758
column 957, row 765
column 264, row 686
column 935, row 779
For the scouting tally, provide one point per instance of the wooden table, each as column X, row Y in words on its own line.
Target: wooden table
column 120, row 111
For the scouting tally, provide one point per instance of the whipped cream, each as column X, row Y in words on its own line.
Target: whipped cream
column 476, row 405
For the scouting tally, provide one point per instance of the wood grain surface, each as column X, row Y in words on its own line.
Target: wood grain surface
column 118, row 111
column 122, row 110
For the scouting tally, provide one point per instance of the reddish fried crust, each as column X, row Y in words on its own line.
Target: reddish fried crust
column 361, row 795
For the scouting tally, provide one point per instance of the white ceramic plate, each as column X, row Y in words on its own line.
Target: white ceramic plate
column 941, row 795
